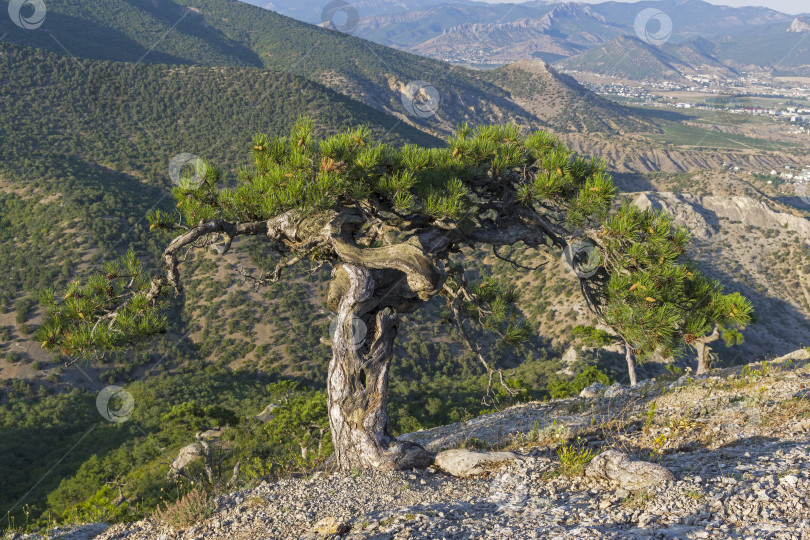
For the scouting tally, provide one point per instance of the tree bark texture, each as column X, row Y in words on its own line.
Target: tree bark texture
column 631, row 364
column 704, row 352
column 357, row 382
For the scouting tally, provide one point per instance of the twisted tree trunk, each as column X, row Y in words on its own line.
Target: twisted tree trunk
column 704, row 352
column 357, row 382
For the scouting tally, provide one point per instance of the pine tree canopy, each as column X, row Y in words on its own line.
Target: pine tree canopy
column 404, row 211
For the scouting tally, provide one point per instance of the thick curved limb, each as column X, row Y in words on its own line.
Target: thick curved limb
column 357, row 383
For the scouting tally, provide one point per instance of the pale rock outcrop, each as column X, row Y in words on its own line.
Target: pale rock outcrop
column 702, row 214
column 800, row 25
column 464, row 463
column 267, row 414
column 593, row 390
column 187, row 455
column 617, row 467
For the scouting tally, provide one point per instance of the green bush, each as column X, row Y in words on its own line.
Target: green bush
column 563, row 388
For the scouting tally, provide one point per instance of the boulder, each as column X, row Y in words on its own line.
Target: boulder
column 267, row 414
column 329, row 526
column 592, row 391
column 187, row 455
column 615, row 390
column 464, row 463
column 617, row 467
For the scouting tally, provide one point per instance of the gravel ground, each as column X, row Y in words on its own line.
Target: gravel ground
column 738, row 444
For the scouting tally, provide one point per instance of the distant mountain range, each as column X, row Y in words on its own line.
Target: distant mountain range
column 720, row 40
column 777, row 49
column 226, row 33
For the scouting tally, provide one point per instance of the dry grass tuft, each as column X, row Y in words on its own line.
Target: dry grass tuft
column 192, row 508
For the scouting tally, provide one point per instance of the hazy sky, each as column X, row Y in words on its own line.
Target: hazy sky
column 785, row 6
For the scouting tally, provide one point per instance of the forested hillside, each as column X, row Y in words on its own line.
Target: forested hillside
column 219, row 32
column 96, row 139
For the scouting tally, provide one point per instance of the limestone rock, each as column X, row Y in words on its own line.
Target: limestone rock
column 571, row 356
column 463, row 463
column 329, row 526
column 615, row 390
column 633, row 475
column 592, row 391
column 800, row 25
column 187, row 455
column 267, row 414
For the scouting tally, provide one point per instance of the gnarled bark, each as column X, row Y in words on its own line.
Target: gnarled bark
column 357, row 383
column 704, row 356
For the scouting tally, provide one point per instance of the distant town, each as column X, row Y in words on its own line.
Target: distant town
column 745, row 95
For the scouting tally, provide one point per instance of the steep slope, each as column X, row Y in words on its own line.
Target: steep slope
column 755, row 247
column 700, row 55
column 781, row 49
column 220, row 32
column 66, row 122
column 725, row 443
column 628, row 58
column 565, row 30
column 543, row 91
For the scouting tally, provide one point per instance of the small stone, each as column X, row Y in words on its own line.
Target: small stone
column 789, row 480
column 330, row 525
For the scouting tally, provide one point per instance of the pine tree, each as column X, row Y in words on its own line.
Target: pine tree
column 388, row 221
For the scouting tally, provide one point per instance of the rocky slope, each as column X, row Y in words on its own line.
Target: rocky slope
column 737, row 443
column 638, row 155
